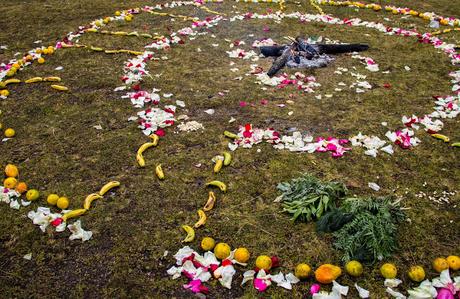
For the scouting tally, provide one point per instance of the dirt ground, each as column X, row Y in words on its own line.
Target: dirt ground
column 58, row 150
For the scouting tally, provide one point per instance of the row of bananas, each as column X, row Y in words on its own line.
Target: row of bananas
column 89, row 199
column 99, row 49
column 140, row 155
column 124, row 33
column 220, row 161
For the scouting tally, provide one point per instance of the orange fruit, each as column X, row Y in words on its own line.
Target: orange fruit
column 327, row 273
column 416, row 273
column 52, row 199
column 62, row 203
column 21, row 187
column 264, row 262
column 388, row 271
column 41, row 60
column 10, row 183
column 242, row 255
column 454, row 262
column 208, row 243
column 222, row 251
column 11, row 170
column 440, row 264
column 32, row 194
column 29, row 57
column 50, row 50
column 9, row 133
column 39, row 51
column 4, row 93
column 302, row 271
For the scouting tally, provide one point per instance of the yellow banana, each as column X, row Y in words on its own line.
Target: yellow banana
column 108, row 186
column 52, row 79
column 89, row 199
column 218, row 165
column 146, row 35
column 73, row 214
column 441, row 137
column 190, row 233
column 91, row 30
column 12, row 81
column 230, row 135
column 137, row 53
column 202, row 220
column 159, row 172
column 2, row 85
column 59, row 87
column 218, row 184
column 155, row 138
column 456, row 144
column 34, row 80
column 111, row 51
column 210, row 203
column 97, row 49
column 134, row 33
column 140, row 151
column 227, row 158
column 120, row 33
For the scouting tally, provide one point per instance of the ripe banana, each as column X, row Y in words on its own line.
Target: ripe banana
column 59, row 87
column 227, row 158
column 134, row 33
column 230, row 135
column 146, row 35
column 111, row 51
column 108, row 186
column 34, row 80
column 52, row 79
column 202, row 220
column 155, row 138
column 91, row 30
column 12, row 81
column 190, row 233
column 137, row 53
column 73, row 214
column 159, row 172
column 140, row 151
column 441, row 137
column 456, row 144
column 97, row 49
column 89, row 199
column 218, row 165
column 218, row 184
column 210, row 203
column 120, row 33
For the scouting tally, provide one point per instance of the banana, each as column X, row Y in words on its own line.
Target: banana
column 91, row 30
column 202, row 220
column 120, row 33
column 2, row 85
column 12, row 81
column 155, row 138
column 456, row 144
column 134, row 33
column 34, row 80
column 230, row 135
column 441, row 137
column 73, row 214
column 218, row 184
column 137, row 53
column 190, row 233
column 218, row 165
column 227, row 158
column 97, row 49
column 159, row 172
column 52, row 79
column 108, row 186
column 59, row 87
column 89, row 199
column 140, row 151
column 111, row 51
column 210, row 203
column 146, row 35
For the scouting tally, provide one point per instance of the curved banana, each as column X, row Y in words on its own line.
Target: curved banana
column 120, row 33
column 218, row 184
column 190, row 233
column 12, row 81
column 210, row 203
column 202, row 220
column 230, row 135
column 59, row 87
column 155, row 138
column 146, row 35
column 73, row 214
column 111, row 51
column 52, row 79
column 218, row 165
column 34, row 80
column 108, row 186
column 140, row 151
column 159, row 172
column 227, row 158
column 89, row 199
column 441, row 137
column 456, row 144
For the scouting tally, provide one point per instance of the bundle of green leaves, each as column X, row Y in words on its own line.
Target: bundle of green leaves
column 364, row 228
column 308, row 198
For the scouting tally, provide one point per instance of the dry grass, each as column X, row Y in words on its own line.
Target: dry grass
column 58, row 150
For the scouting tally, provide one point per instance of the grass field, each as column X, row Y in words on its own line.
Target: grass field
column 58, row 150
